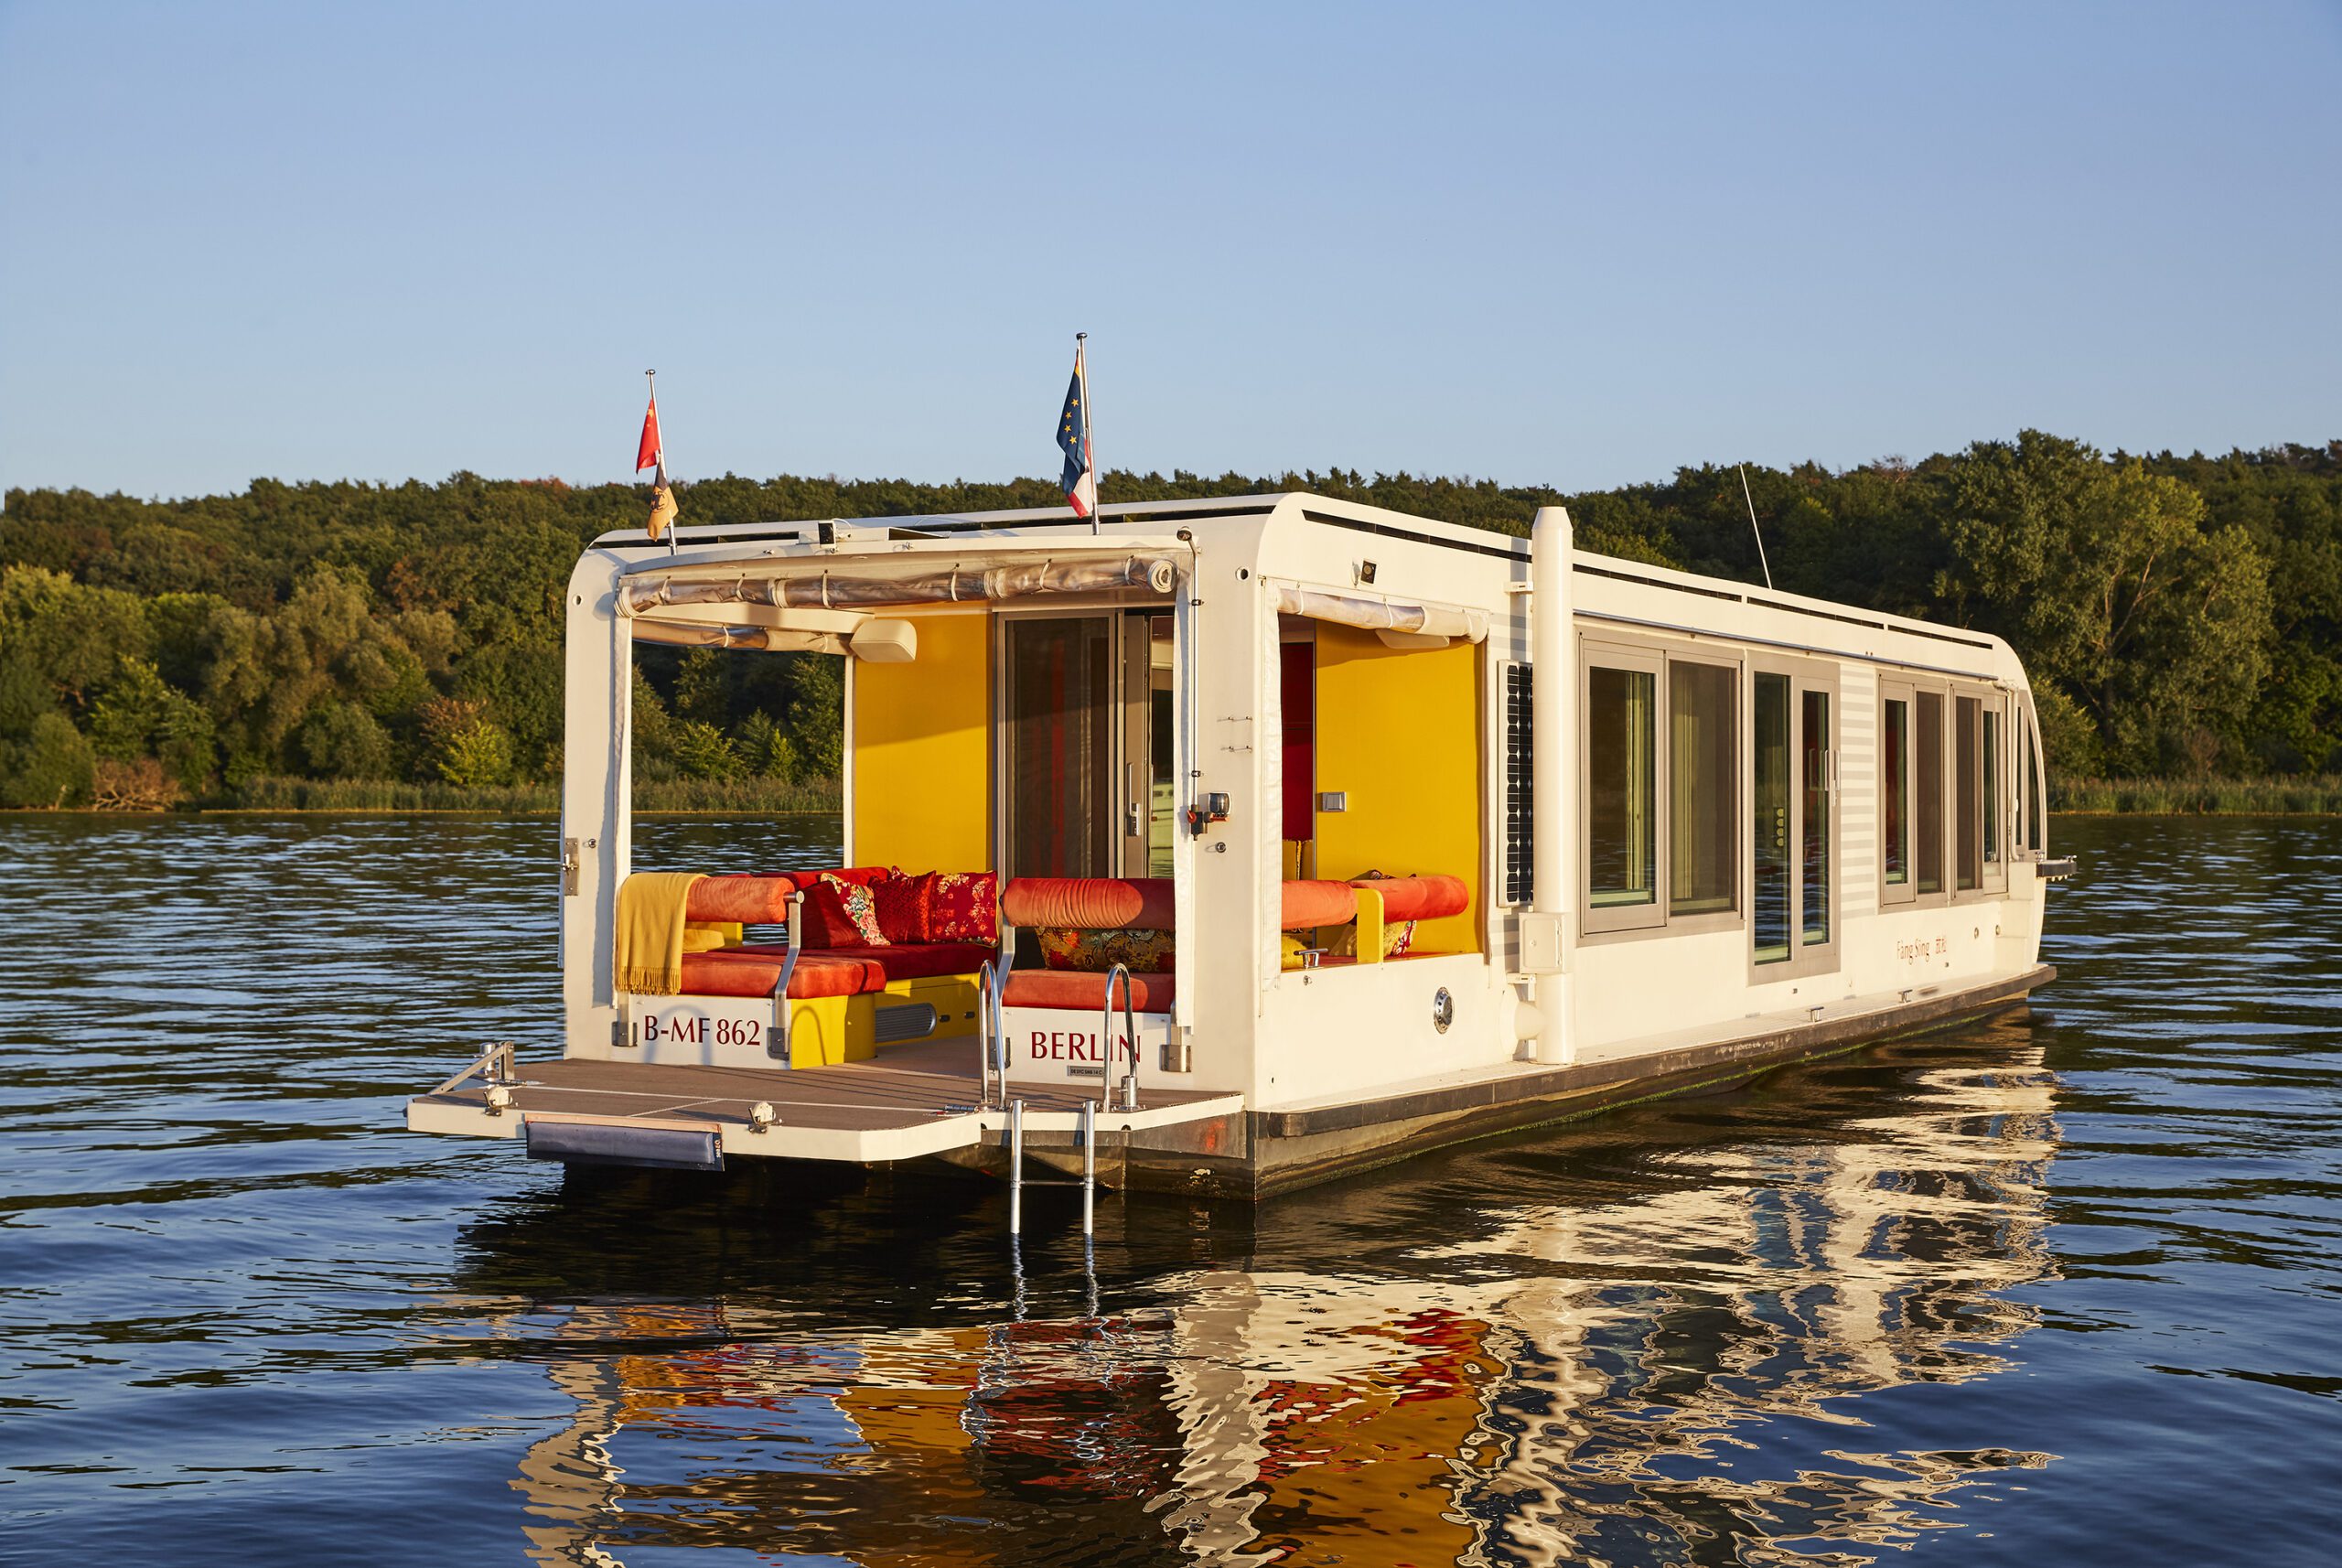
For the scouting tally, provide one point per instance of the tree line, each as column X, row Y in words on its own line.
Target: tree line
column 2181, row 617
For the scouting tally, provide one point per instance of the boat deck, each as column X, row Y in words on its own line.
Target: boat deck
column 910, row 1100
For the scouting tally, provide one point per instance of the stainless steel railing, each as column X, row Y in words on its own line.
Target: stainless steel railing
column 1128, row 1088
column 992, row 1042
column 776, row 1032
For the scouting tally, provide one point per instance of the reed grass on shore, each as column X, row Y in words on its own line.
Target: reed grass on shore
column 2197, row 797
column 757, row 797
column 740, row 797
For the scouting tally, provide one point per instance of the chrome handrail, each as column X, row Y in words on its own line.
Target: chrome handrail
column 1129, row 1086
column 991, row 1039
column 776, row 1032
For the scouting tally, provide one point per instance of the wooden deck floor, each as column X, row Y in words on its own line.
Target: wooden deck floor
column 903, row 1086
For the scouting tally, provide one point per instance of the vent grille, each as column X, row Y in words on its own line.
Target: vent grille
column 897, row 1024
column 1520, row 788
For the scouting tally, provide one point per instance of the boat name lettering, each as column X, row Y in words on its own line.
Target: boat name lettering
column 1922, row 948
column 1069, row 1046
column 691, row 1029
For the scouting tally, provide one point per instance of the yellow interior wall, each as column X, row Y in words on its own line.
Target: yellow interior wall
column 922, row 762
column 1400, row 733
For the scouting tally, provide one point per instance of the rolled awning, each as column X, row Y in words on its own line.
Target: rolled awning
column 848, row 584
column 1382, row 615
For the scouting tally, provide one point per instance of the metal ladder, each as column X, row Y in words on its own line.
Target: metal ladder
column 1088, row 1184
column 992, row 1029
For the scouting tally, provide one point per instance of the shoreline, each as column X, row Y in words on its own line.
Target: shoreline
column 492, row 811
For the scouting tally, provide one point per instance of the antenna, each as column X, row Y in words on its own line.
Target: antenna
column 1752, row 524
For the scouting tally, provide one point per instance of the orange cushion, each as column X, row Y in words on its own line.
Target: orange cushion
column 1419, row 898
column 754, row 971
column 742, row 896
column 1308, row 904
column 1088, row 903
column 761, row 898
column 1075, row 988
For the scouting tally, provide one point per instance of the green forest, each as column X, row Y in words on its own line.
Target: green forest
column 2181, row 617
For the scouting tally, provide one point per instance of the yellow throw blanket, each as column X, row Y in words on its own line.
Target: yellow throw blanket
column 649, row 960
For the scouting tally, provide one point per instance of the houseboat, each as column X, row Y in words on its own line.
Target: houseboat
column 1224, row 846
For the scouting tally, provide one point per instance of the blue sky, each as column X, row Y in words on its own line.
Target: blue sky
column 1543, row 243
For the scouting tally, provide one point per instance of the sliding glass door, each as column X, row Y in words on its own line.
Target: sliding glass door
column 1059, row 740
column 1085, row 744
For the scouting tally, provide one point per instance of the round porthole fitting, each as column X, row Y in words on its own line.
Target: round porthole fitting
column 1443, row 1010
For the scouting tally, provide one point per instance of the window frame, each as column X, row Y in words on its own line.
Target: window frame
column 1992, row 765
column 1804, row 675
column 1992, row 880
column 1656, row 657
column 2031, row 785
column 1731, row 916
column 1966, row 822
column 1637, row 659
column 1899, row 689
column 1989, row 884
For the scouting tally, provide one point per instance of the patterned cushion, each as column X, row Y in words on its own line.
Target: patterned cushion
column 1398, row 939
column 964, row 907
column 1138, row 949
column 828, row 923
column 861, row 907
column 902, row 903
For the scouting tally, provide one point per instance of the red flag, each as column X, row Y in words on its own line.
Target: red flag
column 647, row 454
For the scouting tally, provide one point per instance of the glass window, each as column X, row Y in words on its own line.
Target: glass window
column 1966, row 795
column 1701, row 799
column 1895, row 789
column 1769, row 750
column 1991, row 786
column 1813, row 824
column 1622, row 850
column 2032, row 803
column 1927, row 809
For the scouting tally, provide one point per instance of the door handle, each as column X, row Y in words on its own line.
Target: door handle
column 1130, row 801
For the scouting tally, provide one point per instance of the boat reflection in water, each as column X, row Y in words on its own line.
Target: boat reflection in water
column 1676, row 1359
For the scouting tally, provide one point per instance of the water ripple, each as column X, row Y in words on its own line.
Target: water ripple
column 2057, row 1288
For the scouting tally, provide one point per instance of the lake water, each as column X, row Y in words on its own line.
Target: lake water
column 2063, row 1288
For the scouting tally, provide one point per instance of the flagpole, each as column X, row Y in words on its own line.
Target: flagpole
column 1089, row 426
column 658, row 473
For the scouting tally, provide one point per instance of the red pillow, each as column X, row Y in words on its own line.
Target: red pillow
column 827, row 923
column 903, row 903
column 964, row 907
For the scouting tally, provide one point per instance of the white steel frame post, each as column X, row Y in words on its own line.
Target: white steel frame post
column 1546, row 933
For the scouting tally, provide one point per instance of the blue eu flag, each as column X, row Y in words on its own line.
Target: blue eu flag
column 1081, row 478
